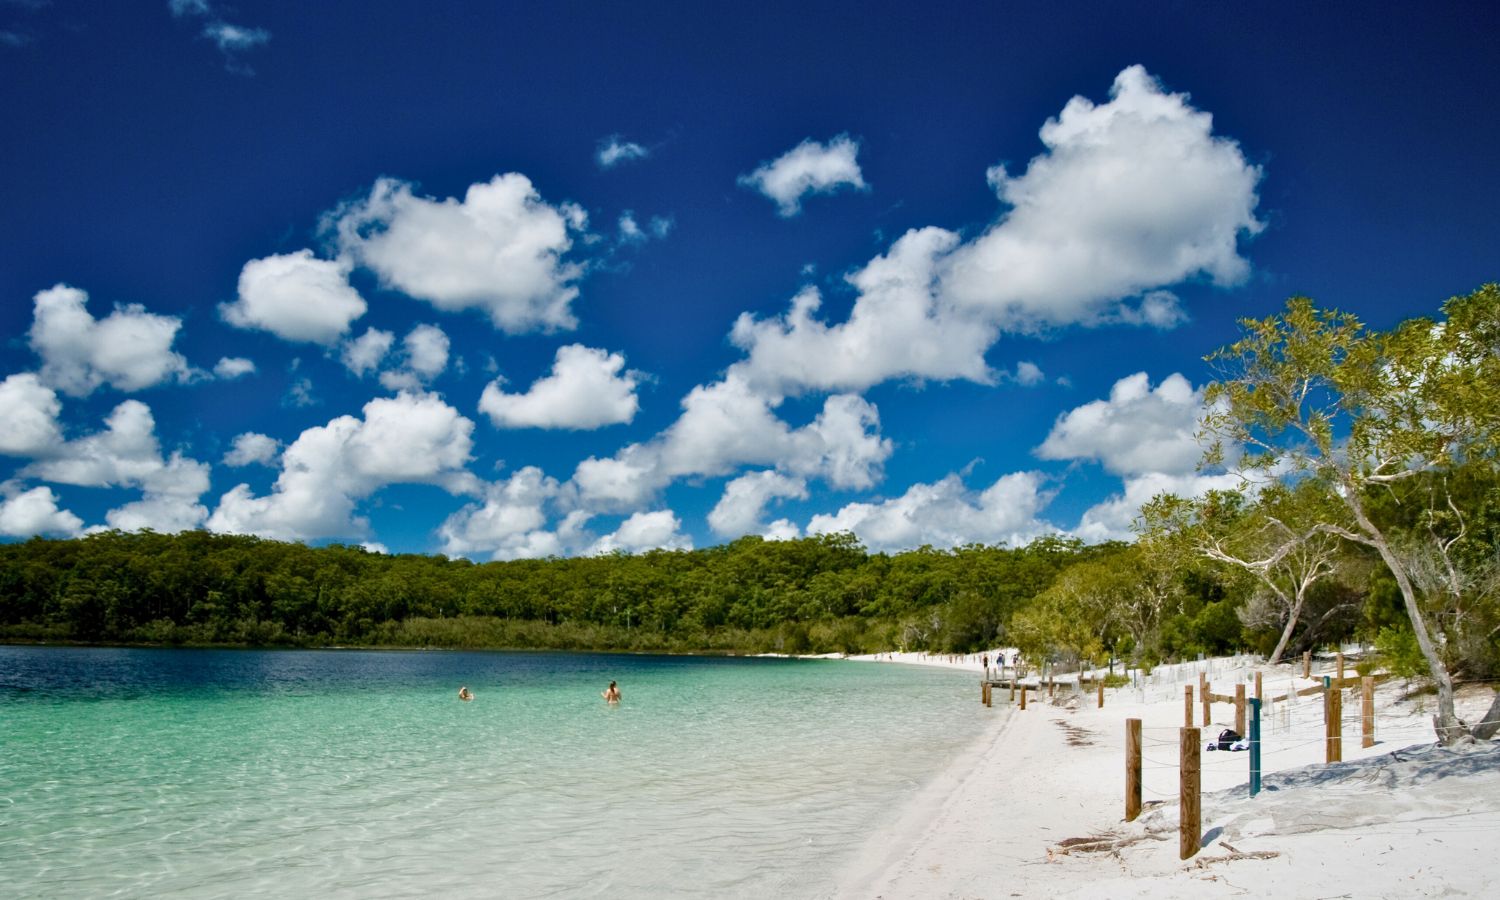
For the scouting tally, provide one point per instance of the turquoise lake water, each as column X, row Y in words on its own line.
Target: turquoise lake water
column 360, row 773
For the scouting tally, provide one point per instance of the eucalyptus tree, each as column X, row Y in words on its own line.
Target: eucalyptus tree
column 1275, row 537
column 1314, row 393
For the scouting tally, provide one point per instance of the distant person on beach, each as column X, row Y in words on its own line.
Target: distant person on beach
column 465, row 694
column 612, row 693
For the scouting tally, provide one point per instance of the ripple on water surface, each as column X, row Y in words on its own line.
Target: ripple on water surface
column 188, row 772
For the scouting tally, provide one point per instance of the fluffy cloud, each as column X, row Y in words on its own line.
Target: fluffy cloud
column 33, row 512
column 231, row 367
column 587, row 388
column 252, row 448
column 1130, row 195
column 426, row 350
column 425, row 356
column 409, row 438
column 946, row 514
column 130, row 349
column 29, row 410
column 660, row 529
column 727, row 425
column 614, row 150
column 1111, row 520
column 509, row 524
column 808, row 168
column 169, row 500
column 500, row 249
column 127, row 454
column 366, row 352
column 896, row 329
column 1161, row 310
column 744, row 502
column 296, row 297
column 1028, row 374
column 1146, row 435
column 1137, row 430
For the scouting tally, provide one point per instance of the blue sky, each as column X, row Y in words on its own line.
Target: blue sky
column 519, row 280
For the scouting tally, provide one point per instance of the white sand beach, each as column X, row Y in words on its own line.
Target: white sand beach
column 1036, row 808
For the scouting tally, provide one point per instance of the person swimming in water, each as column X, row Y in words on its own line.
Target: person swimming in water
column 465, row 694
column 612, row 693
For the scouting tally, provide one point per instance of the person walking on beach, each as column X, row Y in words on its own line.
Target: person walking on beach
column 612, row 693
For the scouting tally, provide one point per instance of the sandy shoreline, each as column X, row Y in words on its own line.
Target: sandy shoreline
column 1400, row 819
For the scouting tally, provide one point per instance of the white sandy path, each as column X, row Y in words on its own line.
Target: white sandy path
column 986, row 827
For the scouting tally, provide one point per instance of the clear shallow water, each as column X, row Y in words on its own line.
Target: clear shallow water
column 353, row 773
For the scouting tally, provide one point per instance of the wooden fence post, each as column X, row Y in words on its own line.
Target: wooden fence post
column 1206, row 690
column 1333, row 711
column 1258, row 694
column 1132, row 769
column 1190, row 829
column 1187, row 706
column 1051, row 687
column 1023, row 696
column 1239, row 709
column 1340, row 657
column 1307, row 664
column 1367, row 710
column 1101, row 693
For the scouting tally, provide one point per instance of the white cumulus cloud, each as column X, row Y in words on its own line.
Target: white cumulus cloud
column 744, row 501
column 655, row 530
column 1112, row 518
column 29, row 410
column 296, row 297
column 127, row 454
column 409, row 438
column 726, row 425
column 587, row 388
column 1149, row 437
column 252, row 448
column 500, row 249
column 24, row 513
column 232, row 367
column 897, row 329
column 509, row 524
column 808, row 168
column 366, row 352
column 130, row 349
column 1130, row 195
column 946, row 514
column 1138, row 429
column 424, row 357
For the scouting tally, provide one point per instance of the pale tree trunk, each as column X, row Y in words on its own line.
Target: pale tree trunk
column 1450, row 729
column 1286, row 633
column 1490, row 724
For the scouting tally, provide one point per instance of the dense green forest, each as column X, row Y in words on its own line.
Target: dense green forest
column 1368, row 507
column 816, row 594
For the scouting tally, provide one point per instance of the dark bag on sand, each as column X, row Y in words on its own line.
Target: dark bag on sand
column 1227, row 737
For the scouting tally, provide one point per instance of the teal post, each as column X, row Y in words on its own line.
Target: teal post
column 1254, row 746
